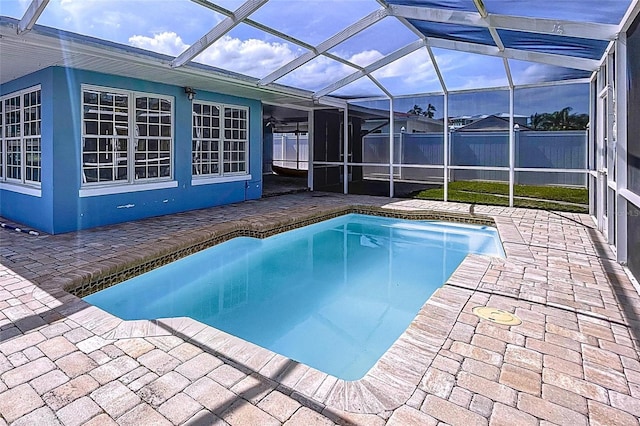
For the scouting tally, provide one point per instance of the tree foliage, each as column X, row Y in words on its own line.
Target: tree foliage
column 417, row 110
column 559, row 120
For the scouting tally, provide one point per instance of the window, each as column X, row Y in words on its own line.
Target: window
column 220, row 140
column 20, row 137
column 111, row 151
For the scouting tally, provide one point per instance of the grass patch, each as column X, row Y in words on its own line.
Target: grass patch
column 492, row 193
column 555, row 193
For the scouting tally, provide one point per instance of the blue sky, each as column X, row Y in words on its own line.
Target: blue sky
column 170, row 26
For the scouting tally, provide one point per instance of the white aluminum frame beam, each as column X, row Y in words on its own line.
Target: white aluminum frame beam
column 485, row 16
column 568, row 28
column 403, row 51
column 273, row 32
column 31, row 15
column 380, row 86
column 629, row 16
column 217, row 32
column 436, row 68
column 332, row 41
column 544, row 58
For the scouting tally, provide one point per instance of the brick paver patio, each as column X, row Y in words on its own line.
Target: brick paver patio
column 573, row 360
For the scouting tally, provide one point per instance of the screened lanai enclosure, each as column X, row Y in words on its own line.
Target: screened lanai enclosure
column 393, row 97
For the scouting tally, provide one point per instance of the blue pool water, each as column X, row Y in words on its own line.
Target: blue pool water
column 334, row 295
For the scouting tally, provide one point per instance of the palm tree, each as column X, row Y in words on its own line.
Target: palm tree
column 416, row 110
column 537, row 121
column 559, row 120
column 430, row 111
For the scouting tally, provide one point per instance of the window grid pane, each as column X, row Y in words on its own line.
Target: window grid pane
column 32, row 128
column 14, row 159
column 12, row 117
column 234, row 158
column 105, row 129
column 153, row 142
column 206, row 139
column 20, row 149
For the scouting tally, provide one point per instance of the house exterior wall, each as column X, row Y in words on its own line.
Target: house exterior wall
column 65, row 208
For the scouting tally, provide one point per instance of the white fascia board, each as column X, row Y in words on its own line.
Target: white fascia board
column 246, row 9
column 543, row 58
column 403, row 51
column 588, row 30
column 31, row 15
column 332, row 41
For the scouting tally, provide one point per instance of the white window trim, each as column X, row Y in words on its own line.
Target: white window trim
column 221, row 176
column 209, row 180
column 33, row 190
column 125, row 188
column 21, row 185
column 131, row 184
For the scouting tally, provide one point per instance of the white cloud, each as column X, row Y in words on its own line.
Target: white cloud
column 366, row 57
column 168, row 43
column 412, row 73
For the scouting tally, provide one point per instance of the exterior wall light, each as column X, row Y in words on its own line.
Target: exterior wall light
column 190, row 93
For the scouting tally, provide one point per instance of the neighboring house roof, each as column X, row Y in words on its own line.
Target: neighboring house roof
column 491, row 123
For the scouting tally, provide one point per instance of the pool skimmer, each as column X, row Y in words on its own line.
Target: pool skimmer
column 497, row 316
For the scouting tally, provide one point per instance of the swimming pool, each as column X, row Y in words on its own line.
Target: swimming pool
column 334, row 295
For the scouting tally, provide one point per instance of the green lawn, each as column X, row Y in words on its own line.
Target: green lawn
column 495, row 193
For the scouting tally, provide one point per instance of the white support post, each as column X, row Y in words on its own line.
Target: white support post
column 512, row 148
column 445, row 121
column 391, row 144
column 621, row 148
column 591, row 145
column 310, row 131
column 600, row 151
column 345, row 150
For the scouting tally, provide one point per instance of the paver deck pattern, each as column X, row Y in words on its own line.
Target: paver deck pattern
column 573, row 360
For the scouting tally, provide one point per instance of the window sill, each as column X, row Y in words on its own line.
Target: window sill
column 219, row 179
column 34, row 191
column 126, row 188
